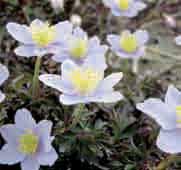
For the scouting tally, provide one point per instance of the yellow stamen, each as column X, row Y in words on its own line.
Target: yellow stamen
column 42, row 35
column 123, row 4
column 85, row 81
column 28, row 143
column 79, row 48
column 128, row 42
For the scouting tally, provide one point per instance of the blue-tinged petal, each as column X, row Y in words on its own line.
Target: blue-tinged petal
column 178, row 40
column 55, row 81
column 72, row 100
column 20, row 33
column 161, row 112
column 47, row 158
column 11, row 134
column 142, row 37
column 106, row 97
column 24, row 120
column 37, row 23
column 173, row 97
column 43, row 131
column 169, row 141
column 80, row 33
column 4, row 74
column 63, row 29
column 9, row 155
column 31, row 50
column 2, row 97
column 138, row 5
column 114, row 41
column 30, row 164
column 110, row 81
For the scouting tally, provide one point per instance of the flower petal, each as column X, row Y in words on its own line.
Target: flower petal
column 110, row 81
column 10, row 156
column 24, row 120
column 173, row 97
column 30, row 51
column 80, row 33
column 19, row 33
column 161, row 112
column 168, row 141
column 47, row 158
column 11, row 134
column 142, row 37
column 4, row 74
column 55, row 81
column 43, row 130
column 107, row 97
column 178, row 40
column 30, row 164
column 2, row 97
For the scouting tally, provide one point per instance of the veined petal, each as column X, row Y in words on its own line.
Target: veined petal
column 110, row 81
column 4, row 74
column 161, row 112
column 47, row 158
column 9, row 155
column 11, row 134
column 24, row 120
column 20, row 33
column 30, row 164
column 173, row 97
column 43, row 130
column 168, row 141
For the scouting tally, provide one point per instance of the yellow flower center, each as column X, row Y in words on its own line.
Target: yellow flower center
column 123, row 4
column 128, row 42
column 42, row 35
column 28, row 143
column 85, row 81
column 178, row 114
column 78, row 48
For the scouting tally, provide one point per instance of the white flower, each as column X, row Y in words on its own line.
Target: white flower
column 57, row 5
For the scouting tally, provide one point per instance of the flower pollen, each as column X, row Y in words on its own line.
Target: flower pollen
column 85, row 81
column 28, row 143
column 42, row 35
column 123, row 4
column 128, row 42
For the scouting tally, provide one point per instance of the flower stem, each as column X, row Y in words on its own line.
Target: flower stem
column 35, row 85
column 135, row 66
column 166, row 162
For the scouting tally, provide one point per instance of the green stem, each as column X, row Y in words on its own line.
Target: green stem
column 35, row 85
column 163, row 165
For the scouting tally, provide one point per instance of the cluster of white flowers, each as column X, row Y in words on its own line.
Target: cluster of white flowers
column 81, row 81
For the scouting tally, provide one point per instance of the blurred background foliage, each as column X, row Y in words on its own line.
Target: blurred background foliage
column 97, row 136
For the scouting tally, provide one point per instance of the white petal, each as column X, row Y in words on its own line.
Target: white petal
column 24, row 119
column 173, row 97
column 26, row 51
column 169, row 141
column 20, row 33
column 30, row 164
column 43, row 130
column 107, row 97
column 2, row 97
column 4, row 74
column 178, row 40
column 55, row 81
column 161, row 112
column 110, row 81
column 10, row 156
column 142, row 37
column 47, row 158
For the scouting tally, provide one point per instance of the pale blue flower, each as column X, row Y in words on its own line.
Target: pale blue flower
column 167, row 113
column 84, row 84
column 178, row 40
column 39, row 38
column 129, row 45
column 126, row 8
column 78, row 47
column 4, row 74
column 27, row 142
